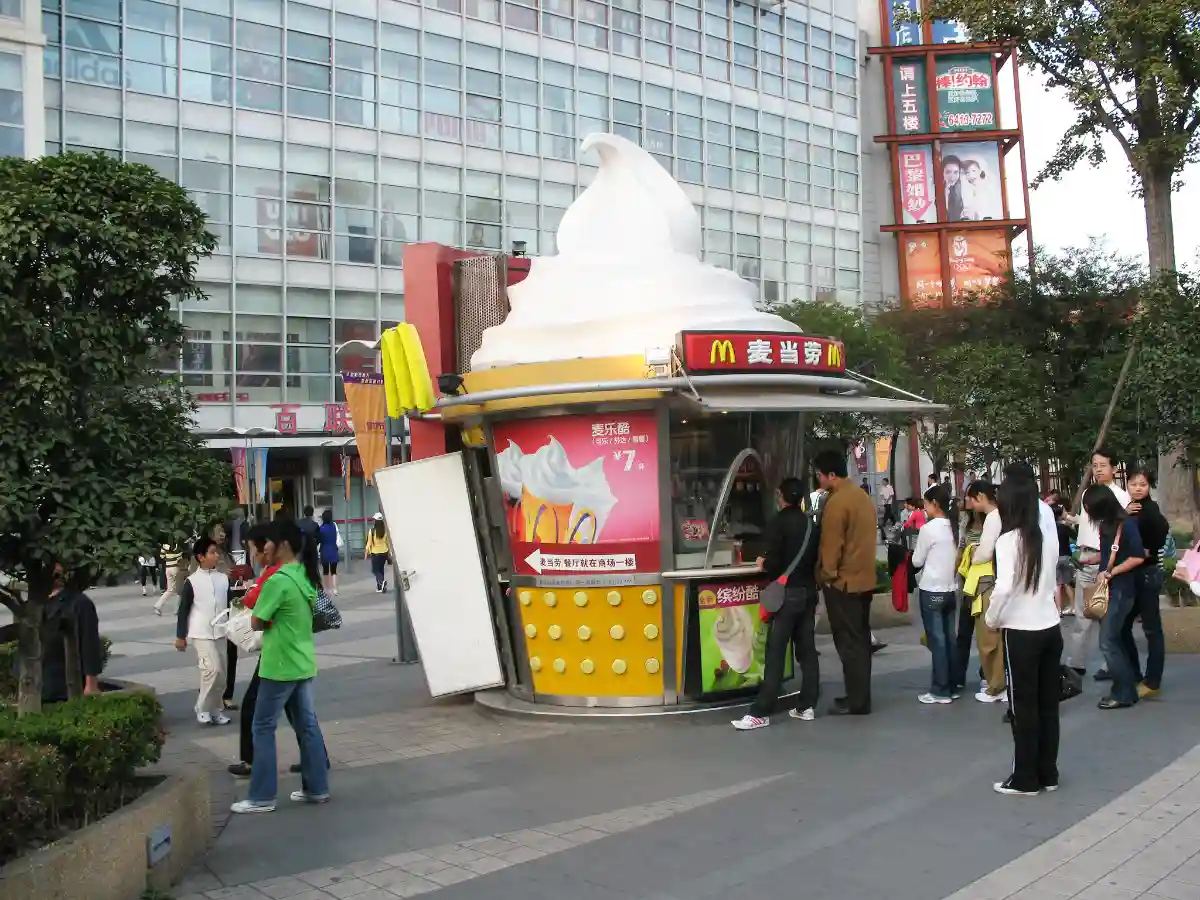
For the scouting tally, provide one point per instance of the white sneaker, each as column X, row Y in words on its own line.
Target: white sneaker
column 249, row 806
column 985, row 697
column 306, row 797
column 804, row 715
column 221, row 719
column 204, row 718
column 929, row 698
column 751, row 723
column 1005, row 787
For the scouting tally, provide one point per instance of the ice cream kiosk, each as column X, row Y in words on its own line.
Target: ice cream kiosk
column 587, row 545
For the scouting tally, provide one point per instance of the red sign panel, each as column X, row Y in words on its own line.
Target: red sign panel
column 714, row 351
column 582, row 493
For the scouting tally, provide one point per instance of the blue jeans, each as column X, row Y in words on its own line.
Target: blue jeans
column 1122, row 595
column 1149, row 587
column 939, row 632
column 297, row 696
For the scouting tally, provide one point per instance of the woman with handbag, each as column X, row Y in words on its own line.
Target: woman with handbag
column 1154, row 529
column 261, row 547
column 1024, row 608
column 1121, row 554
column 790, row 563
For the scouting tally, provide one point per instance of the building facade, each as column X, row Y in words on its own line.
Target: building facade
column 320, row 141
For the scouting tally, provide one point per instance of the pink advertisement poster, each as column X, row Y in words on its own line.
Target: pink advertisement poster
column 581, row 493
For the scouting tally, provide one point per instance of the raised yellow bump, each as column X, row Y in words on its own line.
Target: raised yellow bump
column 652, row 665
column 619, row 666
column 587, row 667
column 560, row 666
column 616, row 632
column 649, row 597
column 614, row 598
column 581, row 598
column 555, row 632
column 651, row 632
column 531, row 631
column 550, row 598
column 585, row 633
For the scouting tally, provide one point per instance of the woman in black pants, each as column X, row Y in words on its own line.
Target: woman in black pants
column 1024, row 605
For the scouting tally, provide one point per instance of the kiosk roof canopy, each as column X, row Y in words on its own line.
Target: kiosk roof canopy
column 770, row 401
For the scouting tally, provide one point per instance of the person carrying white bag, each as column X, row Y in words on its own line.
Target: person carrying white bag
column 204, row 597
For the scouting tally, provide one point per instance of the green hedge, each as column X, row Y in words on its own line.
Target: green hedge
column 72, row 763
column 102, row 740
column 30, row 794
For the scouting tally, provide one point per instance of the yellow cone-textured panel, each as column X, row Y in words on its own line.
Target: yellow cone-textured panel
column 596, row 629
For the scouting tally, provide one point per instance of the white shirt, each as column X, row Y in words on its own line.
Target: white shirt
column 1089, row 534
column 991, row 532
column 936, row 555
column 1014, row 606
column 888, row 493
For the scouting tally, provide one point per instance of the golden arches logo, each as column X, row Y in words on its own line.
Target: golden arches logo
column 833, row 356
column 721, row 349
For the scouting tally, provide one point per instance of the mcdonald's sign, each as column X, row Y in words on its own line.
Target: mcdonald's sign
column 721, row 350
column 759, row 352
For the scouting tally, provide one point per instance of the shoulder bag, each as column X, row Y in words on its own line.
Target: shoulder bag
column 234, row 624
column 772, row 596
column 325, row 614
column 1095, row 607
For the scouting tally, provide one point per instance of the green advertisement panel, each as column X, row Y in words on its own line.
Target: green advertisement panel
column 910, row 96
column 966, row 95
column 733, row 637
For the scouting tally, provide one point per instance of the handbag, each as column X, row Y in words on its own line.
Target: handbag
column 325, row 615
column 772, row 596
column 1095, row 607
column 234, row 625
column 1070, row 683
column 1189, row 564
column 337, row 531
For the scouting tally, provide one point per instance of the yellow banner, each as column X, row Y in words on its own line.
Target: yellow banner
column 367, row 402
column 883, row 455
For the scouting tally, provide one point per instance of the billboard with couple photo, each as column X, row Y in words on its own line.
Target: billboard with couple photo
column 971, row 182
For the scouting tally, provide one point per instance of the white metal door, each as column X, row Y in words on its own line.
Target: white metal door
column 427, row 507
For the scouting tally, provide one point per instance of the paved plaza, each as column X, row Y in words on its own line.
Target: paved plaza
column 434, row 797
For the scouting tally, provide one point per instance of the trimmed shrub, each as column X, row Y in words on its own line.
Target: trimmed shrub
column 30, row 791
column 102, row 742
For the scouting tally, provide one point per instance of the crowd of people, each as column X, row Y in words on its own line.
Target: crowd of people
column 1014, row 572
column 287, row 564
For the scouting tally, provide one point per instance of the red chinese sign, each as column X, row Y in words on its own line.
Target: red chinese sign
column 581, row 493
column 916, row 184
column 337, row 419
column 714, row 351
column 285, row 417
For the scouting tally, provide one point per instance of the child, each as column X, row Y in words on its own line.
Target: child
column 204, row 596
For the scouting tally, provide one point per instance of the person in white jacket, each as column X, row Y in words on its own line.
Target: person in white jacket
column 935, row 556
column 205, row 594
column 1024, row 607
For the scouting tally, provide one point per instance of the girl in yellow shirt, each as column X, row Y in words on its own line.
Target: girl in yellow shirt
column 377, row 551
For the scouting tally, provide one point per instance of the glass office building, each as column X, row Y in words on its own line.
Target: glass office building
column 321, row 140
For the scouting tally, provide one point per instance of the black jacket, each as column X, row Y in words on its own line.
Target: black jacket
column 67, row 606
column 784, row 538
column 1154, row 528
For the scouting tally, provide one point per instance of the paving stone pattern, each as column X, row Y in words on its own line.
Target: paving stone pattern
column 423, row 871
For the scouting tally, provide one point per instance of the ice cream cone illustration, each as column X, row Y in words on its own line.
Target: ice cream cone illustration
column 593, row 502
column 734, row 633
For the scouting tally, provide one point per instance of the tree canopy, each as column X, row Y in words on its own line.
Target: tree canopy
column 97, row 457
column 1131, row 69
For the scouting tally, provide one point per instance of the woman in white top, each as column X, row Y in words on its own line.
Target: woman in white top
column 1023, row 605
column 936, row 557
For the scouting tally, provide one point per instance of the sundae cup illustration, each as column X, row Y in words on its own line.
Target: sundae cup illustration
column 734, row 633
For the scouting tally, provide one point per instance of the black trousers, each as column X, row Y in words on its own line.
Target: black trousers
column 850, row 622
column 230, row 669
column 246, row 721
column 1031, row 662
column 966, row 631
column 794, row 625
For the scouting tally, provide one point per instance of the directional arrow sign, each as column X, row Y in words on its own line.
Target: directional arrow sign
column 584, row 562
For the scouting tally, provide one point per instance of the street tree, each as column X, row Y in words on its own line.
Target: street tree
column 97, row 457
column 1166, row 377
column 872, row 348
column 1131, row 69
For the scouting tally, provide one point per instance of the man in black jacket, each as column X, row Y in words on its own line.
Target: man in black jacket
column 795, row 623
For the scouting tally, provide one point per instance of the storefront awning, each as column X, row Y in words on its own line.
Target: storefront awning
column 767, row 401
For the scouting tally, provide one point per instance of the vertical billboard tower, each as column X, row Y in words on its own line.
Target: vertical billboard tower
column 955, row 221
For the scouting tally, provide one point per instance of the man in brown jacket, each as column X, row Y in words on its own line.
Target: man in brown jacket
column 846, row 571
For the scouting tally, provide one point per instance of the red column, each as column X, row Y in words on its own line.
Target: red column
column 429, row 308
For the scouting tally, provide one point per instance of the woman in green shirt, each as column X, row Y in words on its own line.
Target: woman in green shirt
column 287, row 666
